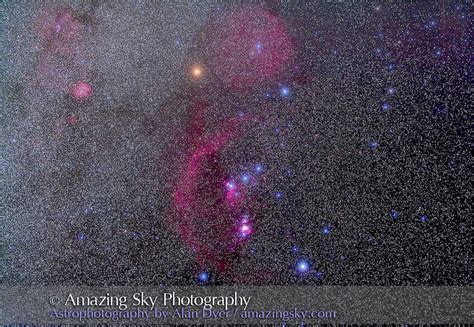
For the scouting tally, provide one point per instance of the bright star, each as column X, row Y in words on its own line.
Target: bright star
column 326, row 229
column 230, row 185
column 284, row 91
column 203, row 276
column 196, row 71
column 302, row 266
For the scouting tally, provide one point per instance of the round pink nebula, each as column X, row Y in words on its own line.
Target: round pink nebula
column 81, row 90
column 251, row 45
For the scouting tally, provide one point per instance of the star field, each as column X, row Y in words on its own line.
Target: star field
column 203, row 143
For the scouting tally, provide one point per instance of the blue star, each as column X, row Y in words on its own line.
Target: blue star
column 385, row 106
column 295, row 249
column 230, row 185
column 373, row 145
column 391, row 90
column 394, row 214
column 203, row 277
column 302, row 266
column 424, row 218
column 438, row 52
column 326, row 229
column 258, row 168
column 278, row 195
column 391, row 66
column 81, row 236
column 245, row 178
column 284, row 91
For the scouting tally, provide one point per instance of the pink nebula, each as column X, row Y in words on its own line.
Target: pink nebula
column 207, row 203
column 251, row 45
column 60, row 38
column 59, row 31
column 81, row 90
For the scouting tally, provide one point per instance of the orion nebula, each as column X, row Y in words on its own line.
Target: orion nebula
column 260, row 143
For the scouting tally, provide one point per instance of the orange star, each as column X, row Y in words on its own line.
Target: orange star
column 197, row 71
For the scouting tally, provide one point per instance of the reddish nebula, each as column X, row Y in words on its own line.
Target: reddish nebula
column 81, row 90
column 251, row 45
column 215, row 213
column 208, row 206
column 60, row 36
column 59, row 31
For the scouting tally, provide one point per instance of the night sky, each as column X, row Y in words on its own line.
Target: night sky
column 267, row 143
